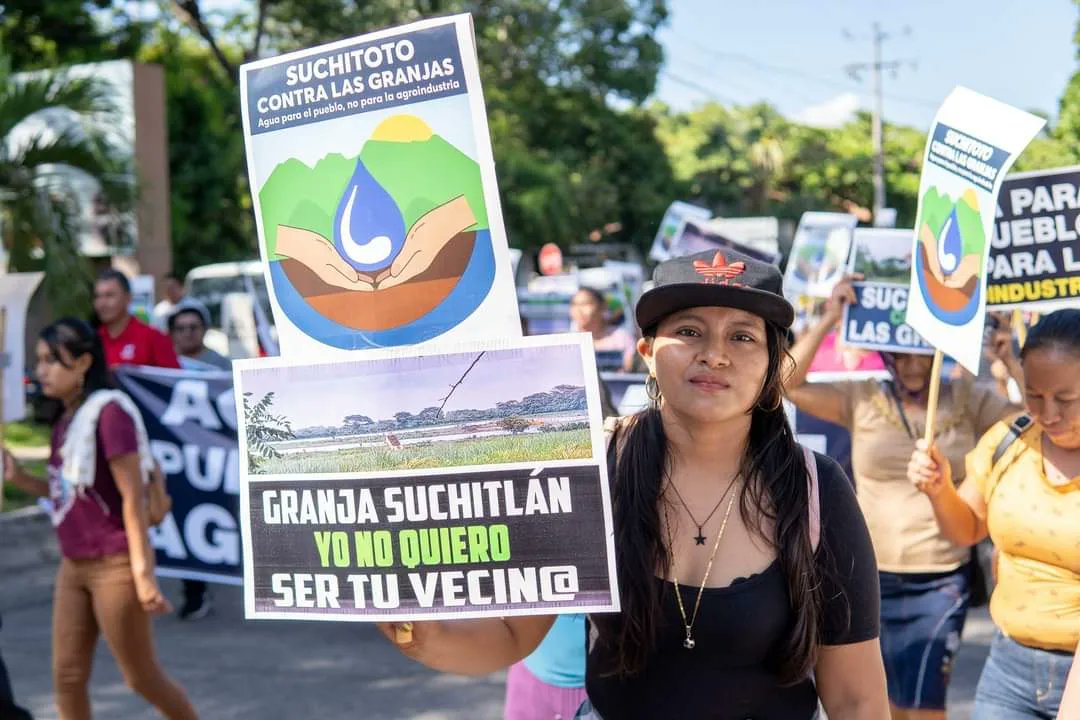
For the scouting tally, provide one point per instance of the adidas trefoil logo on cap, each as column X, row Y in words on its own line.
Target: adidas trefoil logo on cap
column 720, row 272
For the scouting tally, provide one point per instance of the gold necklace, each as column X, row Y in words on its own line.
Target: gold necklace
column 689, row 643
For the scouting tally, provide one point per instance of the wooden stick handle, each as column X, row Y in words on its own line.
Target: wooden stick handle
column 1019, row 326
column 932, row 400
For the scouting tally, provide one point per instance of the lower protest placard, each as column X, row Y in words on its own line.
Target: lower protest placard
column 876, row 320
column 464, row 481
column 190, row 417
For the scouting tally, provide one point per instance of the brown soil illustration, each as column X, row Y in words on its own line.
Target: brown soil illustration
column 390, row 307
column 950, row 299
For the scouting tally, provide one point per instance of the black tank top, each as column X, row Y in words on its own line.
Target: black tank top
column 731, row 672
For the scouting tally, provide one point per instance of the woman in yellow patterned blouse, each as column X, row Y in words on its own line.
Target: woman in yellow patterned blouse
column 925, row 579
column 1029, row 503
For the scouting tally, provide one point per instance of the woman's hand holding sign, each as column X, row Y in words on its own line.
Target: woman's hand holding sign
column 928, row 470
column 469, row 647
column 960, row 512
column 843, row 293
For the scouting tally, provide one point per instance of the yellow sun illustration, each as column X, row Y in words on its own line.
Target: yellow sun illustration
column 402, row 128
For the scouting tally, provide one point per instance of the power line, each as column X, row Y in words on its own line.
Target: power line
column 876, row 67
column 750, row 87
column 711, row 94
column 800, row 74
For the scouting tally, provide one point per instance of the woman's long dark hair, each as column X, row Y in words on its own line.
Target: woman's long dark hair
column 775, row 493
column 78, row 339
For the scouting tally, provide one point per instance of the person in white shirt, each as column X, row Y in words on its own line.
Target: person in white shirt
column 174, row 295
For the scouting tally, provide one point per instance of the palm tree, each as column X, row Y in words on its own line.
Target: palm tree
column 39, row 214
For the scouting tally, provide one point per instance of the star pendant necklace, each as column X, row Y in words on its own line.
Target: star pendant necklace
column 688, row 622
column 700, row 537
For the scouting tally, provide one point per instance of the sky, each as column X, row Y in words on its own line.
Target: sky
column 792, row 54
column 326, row 394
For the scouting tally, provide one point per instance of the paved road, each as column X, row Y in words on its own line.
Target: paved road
column 291, row 671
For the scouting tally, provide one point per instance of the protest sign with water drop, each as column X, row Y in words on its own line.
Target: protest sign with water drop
column 374, row 191
column 971, row 146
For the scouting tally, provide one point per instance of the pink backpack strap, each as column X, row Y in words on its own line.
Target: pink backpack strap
column 815, row 496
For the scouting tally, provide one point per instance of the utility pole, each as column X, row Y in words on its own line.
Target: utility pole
column 876, row 67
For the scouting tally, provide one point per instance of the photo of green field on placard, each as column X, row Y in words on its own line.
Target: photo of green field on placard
column 454, row 410
column 555, row 445
column 882, row 255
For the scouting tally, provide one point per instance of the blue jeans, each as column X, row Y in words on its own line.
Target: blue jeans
column 1020, row 682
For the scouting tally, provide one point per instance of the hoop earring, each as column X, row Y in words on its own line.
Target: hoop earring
column 652, row 389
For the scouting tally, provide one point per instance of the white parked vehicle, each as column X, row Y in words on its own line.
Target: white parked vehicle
column 241, row 322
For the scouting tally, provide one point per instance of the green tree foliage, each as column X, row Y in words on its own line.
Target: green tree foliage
column 554, row 73
column 39, row 34
column 212, row 218
column 752, row 161
column 514, row 424
column 37, row 167
column 568, row 162
column 563, row 80
column 264, row 428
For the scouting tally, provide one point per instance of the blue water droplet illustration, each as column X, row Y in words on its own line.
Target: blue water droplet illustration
column 368, row 227
column 950, row 245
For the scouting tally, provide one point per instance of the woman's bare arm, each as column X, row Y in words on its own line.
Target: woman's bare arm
column 819, row 399
column 960, row 512
column 851, row 681
column 472, row 647
column 127, row 473
column 23, row 480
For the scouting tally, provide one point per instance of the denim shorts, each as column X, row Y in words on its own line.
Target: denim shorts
column 922, row 617
column 1020, row 682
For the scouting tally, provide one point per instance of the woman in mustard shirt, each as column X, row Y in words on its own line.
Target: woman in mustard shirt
column 1029, row 503
column 924, row 578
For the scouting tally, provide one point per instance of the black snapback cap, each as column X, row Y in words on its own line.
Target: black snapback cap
column 724, row 278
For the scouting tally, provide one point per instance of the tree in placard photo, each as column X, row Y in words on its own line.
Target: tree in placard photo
column 263, row 429
column 514, row 424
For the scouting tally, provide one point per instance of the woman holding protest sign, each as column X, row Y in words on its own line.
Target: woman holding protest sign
column 1022, row 486
column 725, row 613
column 925, row 578
column 98, row 472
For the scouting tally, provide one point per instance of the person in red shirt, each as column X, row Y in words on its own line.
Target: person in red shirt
column 126, row 339
column 129, row 341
